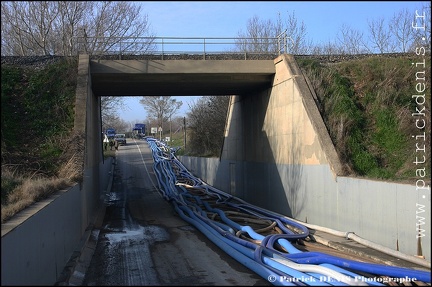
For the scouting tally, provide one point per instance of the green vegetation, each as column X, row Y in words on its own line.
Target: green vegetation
column 177, row 141
column 367, row 106
column 39, row 150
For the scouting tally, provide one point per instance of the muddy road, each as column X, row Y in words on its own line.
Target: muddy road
column 143, row 241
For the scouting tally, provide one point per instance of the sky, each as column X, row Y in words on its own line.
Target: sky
column 226, row 19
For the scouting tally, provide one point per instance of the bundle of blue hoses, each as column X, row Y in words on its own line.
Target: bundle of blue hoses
column 272, row 256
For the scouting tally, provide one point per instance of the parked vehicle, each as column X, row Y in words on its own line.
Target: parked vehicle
column 139, row 131
column 120, row 139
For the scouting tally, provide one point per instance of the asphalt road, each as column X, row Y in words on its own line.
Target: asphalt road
column 144, row 242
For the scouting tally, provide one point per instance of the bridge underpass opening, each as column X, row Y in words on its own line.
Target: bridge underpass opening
column 179, row 78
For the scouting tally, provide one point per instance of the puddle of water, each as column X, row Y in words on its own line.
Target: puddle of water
column 151, row 233
column 112, row 197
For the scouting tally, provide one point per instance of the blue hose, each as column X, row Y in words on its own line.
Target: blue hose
column 249, row 263
column 259, row 254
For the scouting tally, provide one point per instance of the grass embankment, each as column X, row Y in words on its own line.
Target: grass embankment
column 40, row 152
column 368, row 108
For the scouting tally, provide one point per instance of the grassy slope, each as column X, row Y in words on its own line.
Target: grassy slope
column 39, row 154
column 367, row 106
column 37, row 116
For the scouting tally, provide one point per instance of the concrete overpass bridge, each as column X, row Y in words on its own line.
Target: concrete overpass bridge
column 277, row 152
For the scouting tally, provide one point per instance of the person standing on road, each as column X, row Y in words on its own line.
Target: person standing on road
column 111, row 143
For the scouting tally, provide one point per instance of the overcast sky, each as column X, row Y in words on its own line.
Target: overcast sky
column 323, row 21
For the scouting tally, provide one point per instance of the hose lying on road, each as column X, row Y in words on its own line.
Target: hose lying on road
column 262, row 240
column 373, row 245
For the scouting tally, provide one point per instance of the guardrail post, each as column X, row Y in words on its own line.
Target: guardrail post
column 120, row 50
column 282, row 42
column 162, row 48
column 204, row 50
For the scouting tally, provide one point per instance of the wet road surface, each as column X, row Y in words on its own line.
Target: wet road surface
column 143, row 241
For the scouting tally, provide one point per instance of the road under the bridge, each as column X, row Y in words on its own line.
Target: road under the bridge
column 142, row 240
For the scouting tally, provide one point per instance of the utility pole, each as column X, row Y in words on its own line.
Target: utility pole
column 184, row 132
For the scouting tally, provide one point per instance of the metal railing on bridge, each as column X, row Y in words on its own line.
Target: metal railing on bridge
column 183, row 47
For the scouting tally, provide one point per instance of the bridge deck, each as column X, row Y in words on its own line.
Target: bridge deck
column 179, row 77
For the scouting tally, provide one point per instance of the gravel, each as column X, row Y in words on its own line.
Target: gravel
column 40, row 61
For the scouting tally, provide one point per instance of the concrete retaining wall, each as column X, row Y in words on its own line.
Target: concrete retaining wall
column 38, row 242
column 382, row 212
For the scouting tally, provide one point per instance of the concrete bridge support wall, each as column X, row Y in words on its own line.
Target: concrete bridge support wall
column 272, row 136
column 87, row 126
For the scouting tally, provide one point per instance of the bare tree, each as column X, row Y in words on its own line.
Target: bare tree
column 207, row 120
column 266, row 35
column 30, row 26
column 11, row 40
column 161, row 108
column 109, row 106
column 351, row 40
column 380, row 36
column 69, row 23
column 260, row 36
column 401, row 29
column 111, row 22
column 53, row 27
column 296, row 32
column 329, row 48
column 114, row 121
